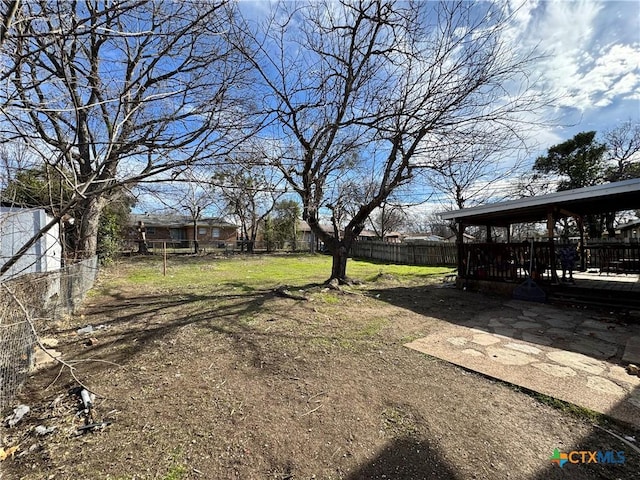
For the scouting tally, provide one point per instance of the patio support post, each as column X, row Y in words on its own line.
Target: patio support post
column 580, row 222
column 460, row 241
column 552, row 252
column 508, row 227
column 489, row 239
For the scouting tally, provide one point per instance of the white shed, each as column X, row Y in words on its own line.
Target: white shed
column 17, row 227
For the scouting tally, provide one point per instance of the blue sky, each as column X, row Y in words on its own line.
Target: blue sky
column 593, row 61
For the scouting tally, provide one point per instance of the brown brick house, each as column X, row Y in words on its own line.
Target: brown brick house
column 178, row 231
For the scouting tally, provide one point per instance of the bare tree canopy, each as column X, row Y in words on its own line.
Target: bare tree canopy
column 364, row 93
column 623, row 152
column 247, row 190
column 110, row 93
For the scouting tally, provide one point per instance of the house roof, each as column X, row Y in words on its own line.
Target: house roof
column 304, row 227
column 631, row 224
column 608, row 197
column 176, row 221
column 427, row 237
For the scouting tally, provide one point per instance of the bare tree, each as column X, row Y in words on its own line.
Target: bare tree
column 387, row 218
column 110, row 93
column 623, row 152
column 248, row 190
column 11, row 8
column 468, row 174
column 623, row 161
column 366, row 92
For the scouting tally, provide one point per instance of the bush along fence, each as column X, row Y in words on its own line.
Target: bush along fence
column 423, row 253
column 27, row 305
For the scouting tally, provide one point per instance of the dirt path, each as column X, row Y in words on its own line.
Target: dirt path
column 237, row 382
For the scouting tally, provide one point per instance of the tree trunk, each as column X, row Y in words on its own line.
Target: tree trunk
column 87, row 226
column 195, row 236
column 609, row 222
column 339, row 266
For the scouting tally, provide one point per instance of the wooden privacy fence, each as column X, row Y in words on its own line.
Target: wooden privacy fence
column 423, row 253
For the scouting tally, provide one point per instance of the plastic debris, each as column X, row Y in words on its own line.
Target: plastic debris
column 85, row 330
column 87, row 398
column 18, row 412
column 42, row 430
column 93, row 426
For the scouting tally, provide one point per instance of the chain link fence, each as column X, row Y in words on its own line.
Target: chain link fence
column 30, row 302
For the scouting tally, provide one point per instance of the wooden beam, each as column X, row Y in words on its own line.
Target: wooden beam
column 460, row 243
column 551, row 222
column 580, row 222
column 566, row 213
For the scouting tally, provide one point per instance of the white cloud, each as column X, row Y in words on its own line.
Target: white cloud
column 592, row 60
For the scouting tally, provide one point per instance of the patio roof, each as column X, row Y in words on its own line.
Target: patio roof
column 609, row 197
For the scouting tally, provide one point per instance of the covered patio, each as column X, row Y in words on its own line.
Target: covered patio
column 609, row 266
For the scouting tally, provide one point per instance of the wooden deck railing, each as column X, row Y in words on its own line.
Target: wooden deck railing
column 510, row 261
column 506, row 261
column 613, row 257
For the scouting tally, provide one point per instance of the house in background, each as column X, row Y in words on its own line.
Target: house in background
column 17, row 227
column 629, row 231
column 178, row 231
column 421, row 237
column 308, row 239
column 367, row 235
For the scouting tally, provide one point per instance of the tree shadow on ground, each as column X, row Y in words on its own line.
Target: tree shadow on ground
column 132, row 325
column 406, row 458
column 467, row 308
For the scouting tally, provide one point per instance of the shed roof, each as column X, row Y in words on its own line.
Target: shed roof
column 608, row 197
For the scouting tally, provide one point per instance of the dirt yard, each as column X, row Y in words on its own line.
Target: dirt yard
column 212, row 372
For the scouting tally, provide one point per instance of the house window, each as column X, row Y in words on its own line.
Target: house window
column 215, row 232
column 202, row 230
column 151, row 230
column 177, row 234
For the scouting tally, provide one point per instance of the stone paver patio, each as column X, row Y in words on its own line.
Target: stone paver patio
column 572, row 355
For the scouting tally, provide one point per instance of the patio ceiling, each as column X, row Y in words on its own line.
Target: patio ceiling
column 609, row 197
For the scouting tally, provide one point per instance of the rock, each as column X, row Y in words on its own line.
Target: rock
column 49, row 342
column 44, row 357
column 92, row 341
column 633, row 369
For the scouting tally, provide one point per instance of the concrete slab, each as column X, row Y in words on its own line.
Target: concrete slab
column 582, row 369
column 632, row 351
column 593, row 347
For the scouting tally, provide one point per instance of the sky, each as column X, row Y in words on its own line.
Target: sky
column 591, row 51
column 592, row 58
